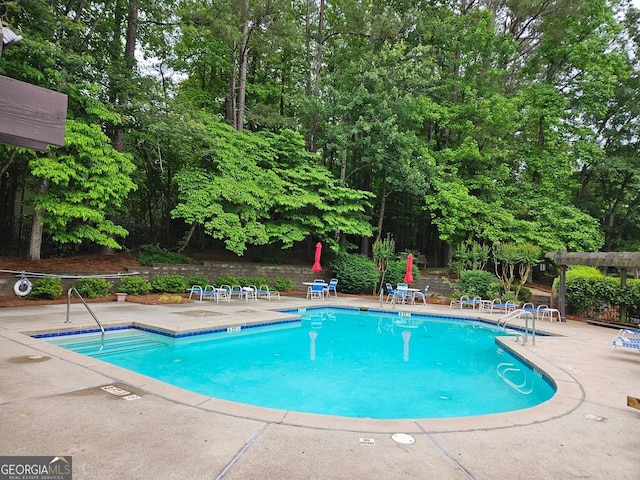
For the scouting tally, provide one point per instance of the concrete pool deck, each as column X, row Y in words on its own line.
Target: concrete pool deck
column 51, row 403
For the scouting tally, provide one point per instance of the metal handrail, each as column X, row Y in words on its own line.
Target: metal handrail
column 73, row 289
column 502, row 322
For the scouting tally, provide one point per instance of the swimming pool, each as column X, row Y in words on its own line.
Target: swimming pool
column 344, row 362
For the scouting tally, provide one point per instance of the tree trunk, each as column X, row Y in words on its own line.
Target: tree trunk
column 242, row 80
column 37, row 227
column 231, row 95
column 129, row 63
column 383, row 203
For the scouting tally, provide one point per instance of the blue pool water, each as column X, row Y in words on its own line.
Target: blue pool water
column 341, row 362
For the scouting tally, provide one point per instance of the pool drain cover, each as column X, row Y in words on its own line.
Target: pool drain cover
column 403, row 438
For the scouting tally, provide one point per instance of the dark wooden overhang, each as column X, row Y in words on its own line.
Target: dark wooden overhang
column 30, row 116
column 605, row 259
column 622, row 260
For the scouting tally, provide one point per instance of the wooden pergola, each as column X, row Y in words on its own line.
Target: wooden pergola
column 31, row 116
column 623, row 260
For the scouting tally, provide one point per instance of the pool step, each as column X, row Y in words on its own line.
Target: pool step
column 92, row 346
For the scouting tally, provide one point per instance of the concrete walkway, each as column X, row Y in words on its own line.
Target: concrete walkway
column 51, row 403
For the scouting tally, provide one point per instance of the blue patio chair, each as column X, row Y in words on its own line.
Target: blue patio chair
column 264, row 292
column 626, row 338
column 333, row 283
column 316, row 291
column 421, row 295
column 396, row 295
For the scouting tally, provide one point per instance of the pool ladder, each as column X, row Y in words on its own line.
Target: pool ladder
column 69, row 292
column 520, row 334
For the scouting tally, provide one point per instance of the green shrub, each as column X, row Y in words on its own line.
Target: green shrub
column 169, row 284
column 357, row 273
column 589, row 292
column 283, row 284
column 584, row 272
column 226, row 280
column 93, row 287
column 150, row 254
column 525, row 295
column 134, row 286
column 257, row 281
column 49, row 288
column 396, row 271
column 477, row 283
column 199, row 280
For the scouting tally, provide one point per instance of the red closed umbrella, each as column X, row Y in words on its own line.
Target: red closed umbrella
column 408, row 277
column 316, row 264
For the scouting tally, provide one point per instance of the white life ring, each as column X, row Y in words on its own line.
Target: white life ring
column 23, row 287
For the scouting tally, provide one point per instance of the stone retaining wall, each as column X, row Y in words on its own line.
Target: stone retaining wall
column 213, row 270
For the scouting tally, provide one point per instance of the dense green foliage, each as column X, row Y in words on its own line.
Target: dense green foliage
column 437, row 124
column 477, row 283
column 283, row 284
column 229, row 280
column 357, row 273
column 150, row 254
column 48, row 288
column 397, row 269
column 135, row 286
column 93, row 287
column 589, row 292
column 199, row 280
column 169, row 284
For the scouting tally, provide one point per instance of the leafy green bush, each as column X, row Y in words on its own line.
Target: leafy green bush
column 150, row 254
column 525, row 295
column 357, row 273
column 257, row 281
column 199, row 280
column 283, row 284
column 589, row 292
column 477, row 283
column 169, row 284
column 397, row 269
column 93, row 287
column 49, row 288
column 134, row 286
column 226, row 280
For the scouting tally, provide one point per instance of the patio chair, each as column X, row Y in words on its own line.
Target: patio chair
column 333, row 283
column 196, row 290
column 498, row 306
column 422, row 295
column 396, row 295
column 217, row 294
column 626, row 338
column 236, row 290
column 316, row 291
column 250, row 292
column 264, row 292
column 402, row 292
column 464, row 299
